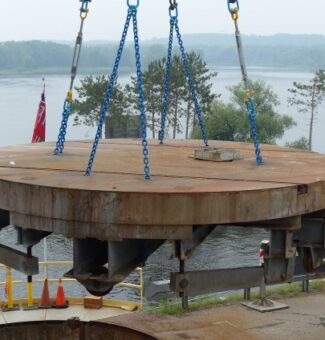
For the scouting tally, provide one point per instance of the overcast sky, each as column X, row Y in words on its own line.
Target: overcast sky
column 58, row 19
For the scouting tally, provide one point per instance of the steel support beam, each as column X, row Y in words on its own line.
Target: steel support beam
column 18, row 260
column 103, row 231
column 289, row 223
column 207, row 281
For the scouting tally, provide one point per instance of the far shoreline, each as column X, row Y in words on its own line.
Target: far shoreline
column 126, row 71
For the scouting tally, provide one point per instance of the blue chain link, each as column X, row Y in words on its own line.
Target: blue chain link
column 132, row 13
column 174, row 25
column 63, row 128
column 191, row 84
column 167, row 80
column 141, row 98
column 108, row 94
column 251, row 106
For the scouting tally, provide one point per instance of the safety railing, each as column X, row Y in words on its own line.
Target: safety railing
column 305, row 280
column 9, row 284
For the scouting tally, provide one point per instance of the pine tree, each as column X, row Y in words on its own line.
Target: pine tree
column 307, row 98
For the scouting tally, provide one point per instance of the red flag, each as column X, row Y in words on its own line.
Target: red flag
column 40, row 122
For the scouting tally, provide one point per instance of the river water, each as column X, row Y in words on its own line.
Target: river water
column 19, row 99
column 225, row 247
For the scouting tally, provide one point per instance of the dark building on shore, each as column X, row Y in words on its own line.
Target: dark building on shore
column 123, row 127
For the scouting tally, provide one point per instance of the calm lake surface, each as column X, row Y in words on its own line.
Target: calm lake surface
column 226, row 247
column 19, row 98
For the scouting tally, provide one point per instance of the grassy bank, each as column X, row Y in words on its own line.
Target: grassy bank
column 174, row 306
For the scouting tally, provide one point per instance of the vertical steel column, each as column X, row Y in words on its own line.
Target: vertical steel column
column 247, row 294
column 183, row 295
column 29, row 283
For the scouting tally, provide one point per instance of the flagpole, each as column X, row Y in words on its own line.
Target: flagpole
column 39, row 135
column 45, row 239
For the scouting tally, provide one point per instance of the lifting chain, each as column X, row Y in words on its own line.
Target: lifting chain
column 167, row 76
column 233, row 6
column 67, row 106
column 173, row 13
column 131, row 14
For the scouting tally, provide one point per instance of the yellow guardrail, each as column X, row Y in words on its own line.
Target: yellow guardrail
column 10, row 283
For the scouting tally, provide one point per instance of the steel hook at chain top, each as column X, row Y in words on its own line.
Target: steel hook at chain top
column 233, row 6
column 84, row 5
column 136, row 5
column 173, row 4
column 173, row 9
column 84, row 9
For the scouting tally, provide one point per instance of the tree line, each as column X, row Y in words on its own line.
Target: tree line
column 223, row 121
column 35, row 56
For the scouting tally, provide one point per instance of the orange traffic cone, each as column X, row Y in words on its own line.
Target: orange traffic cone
column 60, row 301
column 45, row 302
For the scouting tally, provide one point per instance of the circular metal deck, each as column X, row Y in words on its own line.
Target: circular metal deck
column 51, row 193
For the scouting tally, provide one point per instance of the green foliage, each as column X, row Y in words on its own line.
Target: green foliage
column 177, row 95
column 317, row 284
column 180, row 102
column 202, row 79
column 307, row 98
column 33, row 55
column 87, row 107
column 125, row 101
column 153, row 84
column 174, row 307
column 301, row 143
column 230, row 121
column 36, row 55
column 225, row 122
